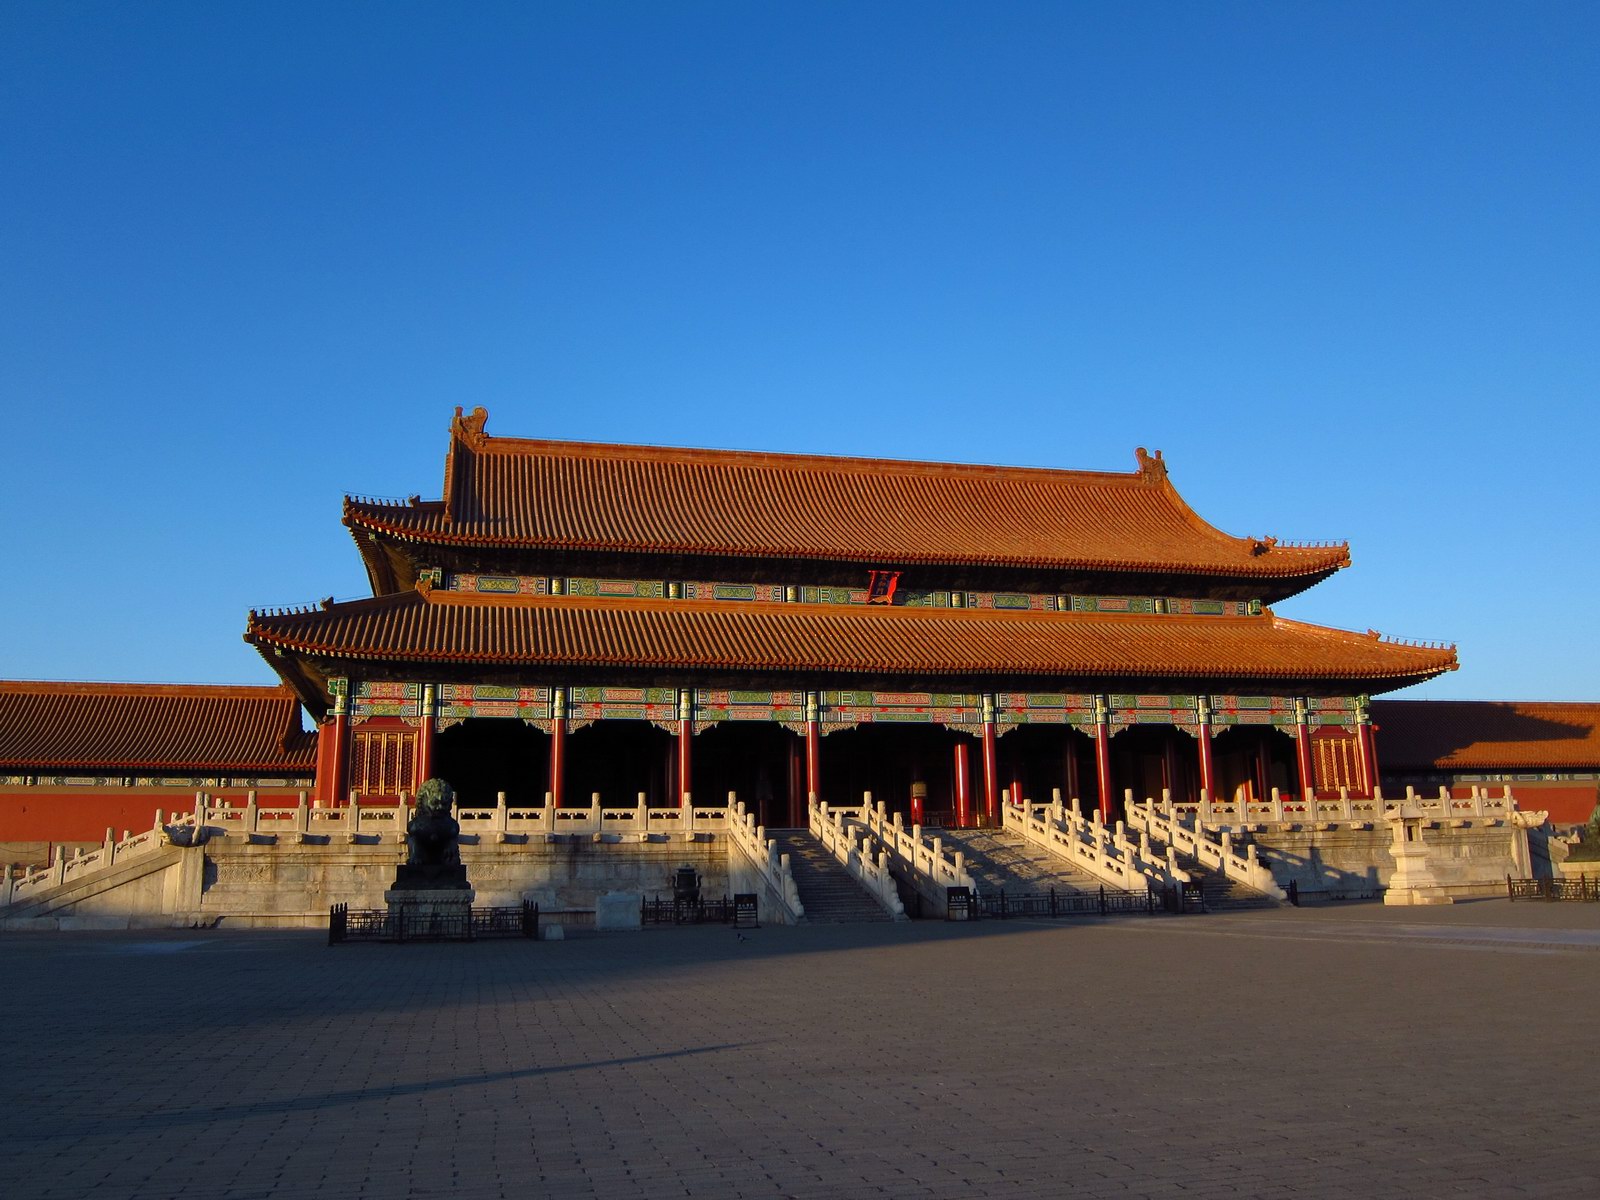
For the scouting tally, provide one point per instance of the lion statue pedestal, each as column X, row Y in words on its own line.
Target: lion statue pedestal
column 431, row 895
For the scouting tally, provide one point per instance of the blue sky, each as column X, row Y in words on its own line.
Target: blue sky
column 1338, row 261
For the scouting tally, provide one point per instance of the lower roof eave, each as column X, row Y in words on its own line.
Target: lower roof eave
column 312, row 668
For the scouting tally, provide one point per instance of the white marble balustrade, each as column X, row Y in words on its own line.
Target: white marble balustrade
column 1212, row 849
column 1108, row 854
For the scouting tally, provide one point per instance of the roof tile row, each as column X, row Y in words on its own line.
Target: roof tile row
column 111, row 726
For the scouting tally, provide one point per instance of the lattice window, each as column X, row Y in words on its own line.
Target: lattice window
column 382, row 763
column 1337, row 761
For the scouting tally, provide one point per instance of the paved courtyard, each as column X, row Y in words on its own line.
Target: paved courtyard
column 1349, row 1050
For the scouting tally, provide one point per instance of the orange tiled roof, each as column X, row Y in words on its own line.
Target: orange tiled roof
column 93, row 726
column 511, row 492
column 1475, row 734
column 430, row 626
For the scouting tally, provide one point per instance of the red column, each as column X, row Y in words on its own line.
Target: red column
column 1102, row 756
column 685, row 733
column 339, row 772
column 685, row 783
column 1302, row 751
column 1169, row 767
column 991, row 765
column 1071, row 772
column 425, row 730
column 1263, row 772
column 1366, row 745
column 813, row 750
column 797, row 786
column 558, row 748
column 1208, row 780
column 963, row 773
column 327, row 742
column 1372, row 756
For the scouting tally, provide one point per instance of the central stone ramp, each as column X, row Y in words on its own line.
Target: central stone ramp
column 828, row 892
column 1002, row 860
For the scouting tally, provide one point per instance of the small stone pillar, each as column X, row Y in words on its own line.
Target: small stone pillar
column 1413, row 881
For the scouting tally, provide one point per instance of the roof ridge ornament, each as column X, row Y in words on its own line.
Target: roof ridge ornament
column 465, row 430
column 1150, row 466
column 469, row 428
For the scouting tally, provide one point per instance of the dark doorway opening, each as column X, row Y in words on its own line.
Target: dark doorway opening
column 1251, row 760
column 484, row 756
column 1150, row 759
column 902, row 764
column 1036, row 761
column 760, row 761
column 619, row 760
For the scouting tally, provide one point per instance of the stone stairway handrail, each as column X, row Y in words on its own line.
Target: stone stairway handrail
column 845, row 834
column 1162, row 823
column 921, row 854
column 74, row 868
column 752, row 841
column 1106, row 854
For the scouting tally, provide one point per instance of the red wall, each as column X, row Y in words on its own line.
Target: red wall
column 63, row 814
column 1567, row 803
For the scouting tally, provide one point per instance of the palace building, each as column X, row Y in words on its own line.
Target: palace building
column 569, row 620
column 636, row 661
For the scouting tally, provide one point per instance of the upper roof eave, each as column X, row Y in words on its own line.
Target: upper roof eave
column 763, row 506
column 1335, row 558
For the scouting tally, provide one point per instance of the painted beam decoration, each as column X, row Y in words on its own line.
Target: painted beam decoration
column 499, row 585
column 379, row 700
column 659, row 705
column 715, row 704
column 1333, row 711
column 374, row 700
column 1044, row 708
column 460, row 701
column 845, row 709
column 765, row 593
column 776, row 593
column 1162, row 709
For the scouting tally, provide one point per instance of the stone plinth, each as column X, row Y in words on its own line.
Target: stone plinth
column 414, row 911
column 1413, row 880
column 431, row 877
column 618, row 910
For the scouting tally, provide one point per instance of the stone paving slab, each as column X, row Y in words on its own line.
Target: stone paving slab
column 1348, row 1050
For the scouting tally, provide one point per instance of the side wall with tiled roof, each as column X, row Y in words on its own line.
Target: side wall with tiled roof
column 1549, row 753
column 79, row 758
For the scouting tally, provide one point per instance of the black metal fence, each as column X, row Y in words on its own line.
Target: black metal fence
column 407, row 923
column 961, row 904
column 657, row 911
column 1581, row 889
